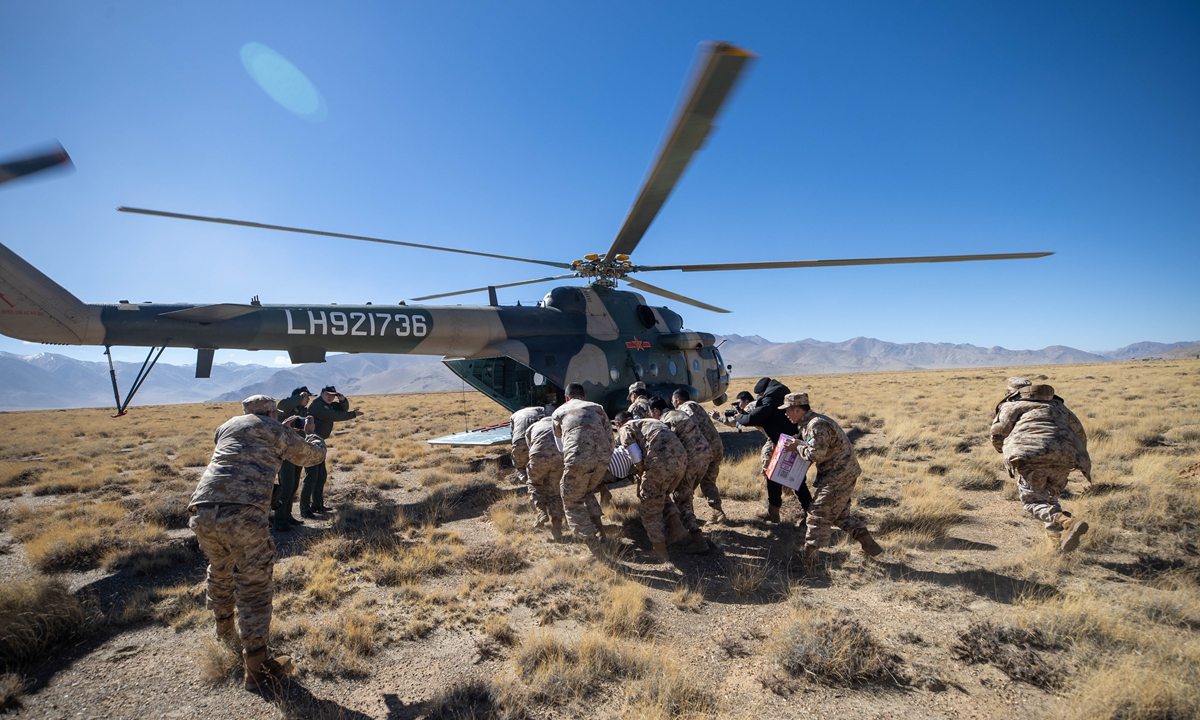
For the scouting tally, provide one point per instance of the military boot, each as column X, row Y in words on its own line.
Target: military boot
column 810, row 555
column 541, row 521
column 771, row 515
column 260, row 668
column 718, row 515
column 660, row 551
column 676, row 532
column 870, row 548
column 698, row 545
column 1073, row 529
column 556, row 529
column 227, row 631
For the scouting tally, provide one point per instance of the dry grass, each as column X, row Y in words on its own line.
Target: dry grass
column 748, row 577
column 36, row 615
column 12, row 689
column 340, row 643
column 626, row 611
column 92, row 492
column 832, row 650
column 742, row 479
column 217, row 661
column 687, row 597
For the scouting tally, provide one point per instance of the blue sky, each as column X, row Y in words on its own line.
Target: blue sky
column 864, row 129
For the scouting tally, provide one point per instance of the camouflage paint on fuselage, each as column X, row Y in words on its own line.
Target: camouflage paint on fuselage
column 598, row 336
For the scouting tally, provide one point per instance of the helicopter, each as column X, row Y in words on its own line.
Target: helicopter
column 598, row 335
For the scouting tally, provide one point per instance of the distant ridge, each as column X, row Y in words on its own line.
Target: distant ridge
column 755, row 355
column 48, row 381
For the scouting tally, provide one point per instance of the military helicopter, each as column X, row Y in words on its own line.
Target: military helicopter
column 597, row 335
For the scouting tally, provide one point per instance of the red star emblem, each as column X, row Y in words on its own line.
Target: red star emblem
column 636, row 344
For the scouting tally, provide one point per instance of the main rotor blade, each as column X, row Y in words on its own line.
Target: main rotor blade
column 836, row 263
column 14, row 169
column 497, row 287
column 716, row 74
column 674, row 296
column 264, row 226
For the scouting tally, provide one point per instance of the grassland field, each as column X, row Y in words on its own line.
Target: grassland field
column 428, row 593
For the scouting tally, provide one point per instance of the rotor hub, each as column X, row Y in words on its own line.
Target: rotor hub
column 593, row 267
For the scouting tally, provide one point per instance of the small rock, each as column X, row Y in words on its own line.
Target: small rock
column 933, row 684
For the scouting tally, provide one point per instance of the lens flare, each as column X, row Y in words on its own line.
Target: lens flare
column 283, row 81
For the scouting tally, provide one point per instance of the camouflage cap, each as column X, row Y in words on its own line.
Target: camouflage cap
column 639, row 385
column 1016, row 383
column 794, row 400
column 258, row 405
column 1038, row 392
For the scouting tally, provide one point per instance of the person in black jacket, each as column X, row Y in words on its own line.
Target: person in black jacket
column 765, row 414
column 289, row 475
column 330, row 406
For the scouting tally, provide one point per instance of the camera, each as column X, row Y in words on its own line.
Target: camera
column 732, row 412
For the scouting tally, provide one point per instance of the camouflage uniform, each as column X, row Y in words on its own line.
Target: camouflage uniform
column 708, row 482
column 545, row 469
column 518, row 424
column 1042, row 441
column 640, row 408
column 698, row 457
column 229, row 516
column 586, row 438
column 824, row 443
column 664, row 462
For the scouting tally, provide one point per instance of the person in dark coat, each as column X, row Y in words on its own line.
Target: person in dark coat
column 330, row 406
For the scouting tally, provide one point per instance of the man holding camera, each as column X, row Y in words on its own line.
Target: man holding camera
column 294, row 407
column 330, row 406
column 229, row 517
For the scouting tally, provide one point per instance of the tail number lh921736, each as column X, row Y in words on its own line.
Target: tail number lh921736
column 367, row 324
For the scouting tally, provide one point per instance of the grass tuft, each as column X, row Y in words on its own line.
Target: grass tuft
column 833, row 651
column 37, row 615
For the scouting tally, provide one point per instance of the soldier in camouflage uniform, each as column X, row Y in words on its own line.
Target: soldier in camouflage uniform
column 229, row 517
column 1042, row 442
column 586, row 436
column 661, row 470
column 698, row 457
column 639, row 400
column 822, row 442
column 545, row 471
column 708, row 481
column 518, row 423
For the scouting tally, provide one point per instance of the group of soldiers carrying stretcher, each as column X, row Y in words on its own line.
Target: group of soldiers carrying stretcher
column 564, row 457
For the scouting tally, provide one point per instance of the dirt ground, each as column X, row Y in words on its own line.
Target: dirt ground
column 428, row 593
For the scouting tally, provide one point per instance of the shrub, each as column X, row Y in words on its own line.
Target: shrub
column 833, row 651
column 36, row 615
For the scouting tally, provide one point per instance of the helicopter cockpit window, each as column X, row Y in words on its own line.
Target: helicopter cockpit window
column 614, row 373
column 637, row 370
column 672, row 367
column 653, row 369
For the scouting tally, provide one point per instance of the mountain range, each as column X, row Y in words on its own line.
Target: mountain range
column 46, row 380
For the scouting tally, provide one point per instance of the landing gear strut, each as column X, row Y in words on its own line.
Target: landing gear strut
column 147, row 365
